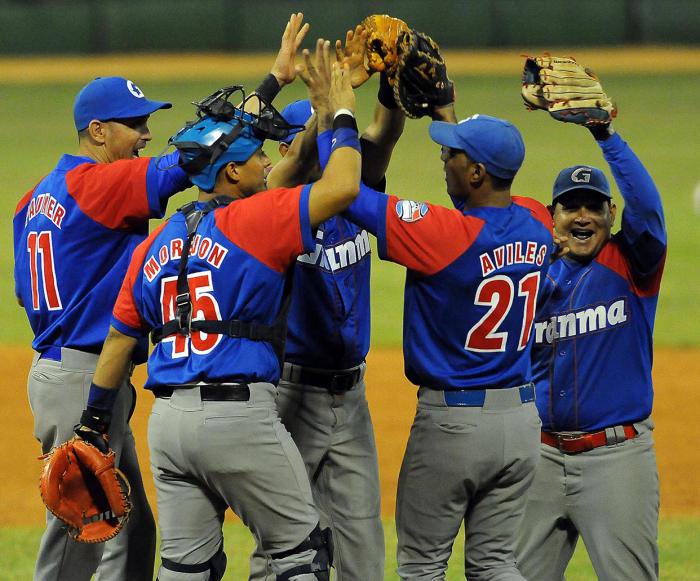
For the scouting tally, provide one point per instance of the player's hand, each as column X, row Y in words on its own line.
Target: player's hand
column 283, row 69
column 355, row 53
column 561, row 247
column 316, row 74
column 341, row 95
column 93, row 437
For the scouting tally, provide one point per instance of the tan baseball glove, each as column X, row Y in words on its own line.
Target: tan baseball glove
column 567, row 90
column 383, row 32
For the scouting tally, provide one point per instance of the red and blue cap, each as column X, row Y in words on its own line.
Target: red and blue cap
column 494, row 142
column 108, row 98
column 581, row 177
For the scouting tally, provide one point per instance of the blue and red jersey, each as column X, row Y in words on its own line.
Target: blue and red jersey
column 73, row 236
column 237, row 269
column 593, row 352
column 329, row 315
column 328, row 325
column 472, row 284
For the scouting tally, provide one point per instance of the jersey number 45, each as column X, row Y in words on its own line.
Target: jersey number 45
column 497, row 293
column 204, row 306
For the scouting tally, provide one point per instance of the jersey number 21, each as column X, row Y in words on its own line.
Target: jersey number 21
column 497, row 293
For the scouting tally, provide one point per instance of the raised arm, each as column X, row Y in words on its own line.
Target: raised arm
column 643, row 224
column 340, row 182
column 283, row 71
column 380, row 137
column 298, row 165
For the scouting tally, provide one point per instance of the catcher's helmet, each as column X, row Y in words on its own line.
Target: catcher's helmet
column 223, row 133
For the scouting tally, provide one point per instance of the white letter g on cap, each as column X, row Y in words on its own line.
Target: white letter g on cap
column 581, row 175
column 134, row 90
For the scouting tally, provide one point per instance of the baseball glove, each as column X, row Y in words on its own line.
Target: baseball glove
column 82, row 487
column 383, row 32
column 570, row 92
column 421, row 82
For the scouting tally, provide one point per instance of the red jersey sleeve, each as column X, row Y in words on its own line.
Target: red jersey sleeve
column 272, row 226
column 538, row 210
column 613, row 256
column 126, row 315
column 112, row 194
column 22, row 204
column 424, row 237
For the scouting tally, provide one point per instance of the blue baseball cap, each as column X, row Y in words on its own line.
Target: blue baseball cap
column 494, row 142
column 581, row 177
column 296, row 113
column 108, row 98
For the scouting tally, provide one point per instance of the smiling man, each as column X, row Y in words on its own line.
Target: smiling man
column 597, row 475
column 74, row 233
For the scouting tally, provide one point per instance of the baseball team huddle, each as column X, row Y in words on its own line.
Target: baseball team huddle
column 527, row 330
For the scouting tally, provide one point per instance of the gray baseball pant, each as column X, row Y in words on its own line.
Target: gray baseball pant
column 609, row 496
column 207, row 456
column 471, row 464
column 335, row 437
column 58, row 392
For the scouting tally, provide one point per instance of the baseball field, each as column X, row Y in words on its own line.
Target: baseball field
column 658, row 116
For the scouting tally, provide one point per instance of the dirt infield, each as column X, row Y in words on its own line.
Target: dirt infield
column 392, row 400
column 166, row 67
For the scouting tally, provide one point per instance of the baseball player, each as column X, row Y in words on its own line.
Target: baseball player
column 472, row 282
column 210, row 285
column 73, row 235
column 321, row 397
column 597, row 474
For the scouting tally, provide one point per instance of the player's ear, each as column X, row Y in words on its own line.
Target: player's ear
column 97, row 131
column 613, row 213
column 231, row 172
column 477, row 174
column 283, row 149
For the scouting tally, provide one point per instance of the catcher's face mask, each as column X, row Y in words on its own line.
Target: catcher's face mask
column 223, row 133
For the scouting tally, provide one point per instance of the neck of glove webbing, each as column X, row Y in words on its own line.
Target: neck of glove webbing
column 183, row 324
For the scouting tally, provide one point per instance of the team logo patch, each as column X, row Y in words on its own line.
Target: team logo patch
column 410, row 211
column 134, row 90
column 581, row 175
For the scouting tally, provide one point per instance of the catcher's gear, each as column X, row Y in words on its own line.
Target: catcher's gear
column 81, row 486
column 383, row 32
column 570, row 92
column 421, row 82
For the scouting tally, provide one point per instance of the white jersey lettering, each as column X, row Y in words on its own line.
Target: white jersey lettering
column 512, row 253
column 205, row 248
column 47, row 205
column 581, row 322
column 340, row 256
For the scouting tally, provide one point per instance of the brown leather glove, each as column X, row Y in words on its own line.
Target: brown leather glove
column 81, row 485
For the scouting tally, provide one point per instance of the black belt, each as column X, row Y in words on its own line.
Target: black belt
column 335, row 382
column 210, row 391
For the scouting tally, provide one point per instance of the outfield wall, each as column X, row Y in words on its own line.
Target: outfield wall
column 107, row 26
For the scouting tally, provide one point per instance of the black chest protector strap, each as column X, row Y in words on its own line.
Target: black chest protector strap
column 183, row 324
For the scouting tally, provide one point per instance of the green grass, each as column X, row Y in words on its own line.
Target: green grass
column 679, row 543
column 657, row 116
